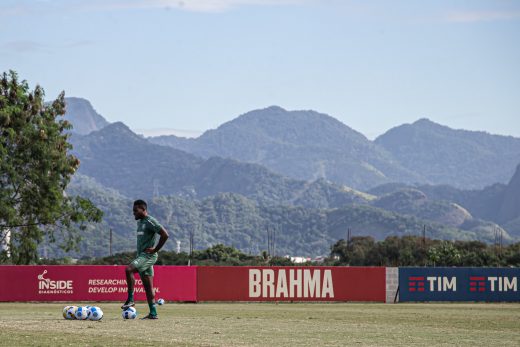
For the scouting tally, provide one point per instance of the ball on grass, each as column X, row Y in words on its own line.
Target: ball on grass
column 71, row 312
column 129, row 313
column 160, row 302
column 95, row 313
column 66, row 311
column 82, row 313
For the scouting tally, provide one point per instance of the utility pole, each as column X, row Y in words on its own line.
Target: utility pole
column 110, row 241
column 497, row 240
column 274, row 241
column 501, row 236
column 155, row 189
column 268, row 242
column 271, row 241
column 192, row 241
column 424, row 244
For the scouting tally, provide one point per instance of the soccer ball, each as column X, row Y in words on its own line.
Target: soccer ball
column 129, row 313
column 71, row 312
column 95, row 313
column 82, row 313
column 66, row 311
column 160, row 302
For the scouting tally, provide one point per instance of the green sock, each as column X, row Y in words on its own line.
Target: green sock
column 153, row 310
column 131, row 297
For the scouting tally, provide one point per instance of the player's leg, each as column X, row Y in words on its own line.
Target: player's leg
column 130, row 282
column 150, row 296
column 146, row 273
column 148, row 288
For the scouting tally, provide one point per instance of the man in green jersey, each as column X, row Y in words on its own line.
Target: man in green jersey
column 147, row 229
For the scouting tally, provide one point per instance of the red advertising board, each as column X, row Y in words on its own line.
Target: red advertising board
column 291, row 283
column 92, row 283
column 192, row 283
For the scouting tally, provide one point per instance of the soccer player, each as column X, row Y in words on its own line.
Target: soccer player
column 147, row 229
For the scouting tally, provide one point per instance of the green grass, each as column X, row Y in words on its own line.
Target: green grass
column 267, row 324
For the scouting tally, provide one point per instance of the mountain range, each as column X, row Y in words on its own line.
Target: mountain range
column 309, row 145
column 83, row 117
column 460, row 158
column 119, row 159
column 271, row 161
column 242, row 222
column 301, row 144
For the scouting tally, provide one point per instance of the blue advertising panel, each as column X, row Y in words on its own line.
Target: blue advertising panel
column 458, row 284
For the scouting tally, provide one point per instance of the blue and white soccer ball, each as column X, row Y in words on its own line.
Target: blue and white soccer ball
column 82, row 313
column 160, row 302
column 95, row 313
column 66, row 314
column 129, row 313
column 71, row 312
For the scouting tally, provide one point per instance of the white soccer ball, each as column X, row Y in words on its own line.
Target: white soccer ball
column 65, row 312
column 95, row 313
column 160, row 302
column 71, row 312
column 129, row 313
column 82, row 313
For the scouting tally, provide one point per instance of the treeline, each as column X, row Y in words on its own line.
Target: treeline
column 243, row 223
column 418, row 251
column 216, row 255
column 358, row 251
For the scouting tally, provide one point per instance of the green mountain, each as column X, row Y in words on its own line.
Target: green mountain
column 238, row 221
column 416, row 203
column 513, row 227
column 498, row 203
column 83, row 117
column 510, row 207
column 308, row 145
column 460, row 158
column 301, row 144
column 481, row 203
column 119, row 159
column 223, row 200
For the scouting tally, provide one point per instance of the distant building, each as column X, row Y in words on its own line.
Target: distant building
column 298, row 260
column 319, row 259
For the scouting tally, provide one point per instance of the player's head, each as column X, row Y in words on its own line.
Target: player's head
column 140, row 209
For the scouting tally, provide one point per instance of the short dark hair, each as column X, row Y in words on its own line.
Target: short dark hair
column 141, row 203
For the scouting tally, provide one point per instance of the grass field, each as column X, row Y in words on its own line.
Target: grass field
column 267, row 324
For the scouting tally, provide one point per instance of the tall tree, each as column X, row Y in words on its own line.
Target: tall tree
column 35, row 169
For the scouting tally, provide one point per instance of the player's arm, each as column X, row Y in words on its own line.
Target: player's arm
column 162, row 240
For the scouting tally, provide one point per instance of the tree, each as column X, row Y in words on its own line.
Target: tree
column 35, row 169
column 357, row 252
column 444, row 254
column 220, row 253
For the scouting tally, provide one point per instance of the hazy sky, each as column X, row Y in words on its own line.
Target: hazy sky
column 196, row 64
